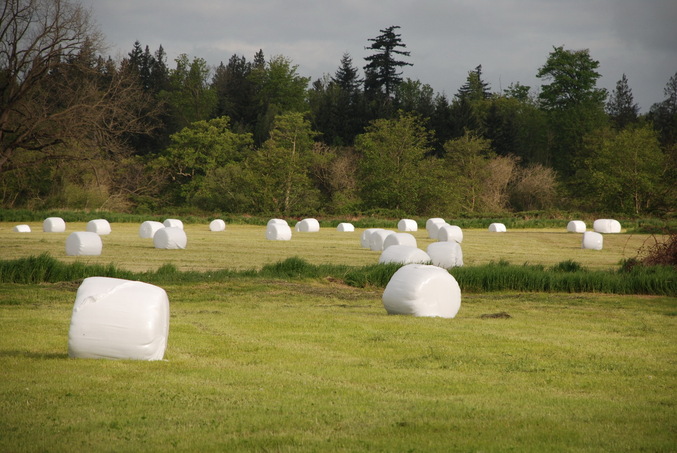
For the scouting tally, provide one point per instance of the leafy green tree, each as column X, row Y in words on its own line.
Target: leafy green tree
column 382, row 75
column 621, row 107
column 414, row 96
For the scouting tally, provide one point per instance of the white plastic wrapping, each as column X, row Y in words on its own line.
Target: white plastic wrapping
column 170, row 238
column 422, row 290
column 277, row 221
column 403, row 254
column 22, row 229
column 278, row 232
column 217, row 225
column 173, row 223
column 606, row 226
column 148, row 229
column 407, row 225
column 365, row 239
column 308, row 226
column 445, row 254
column 119, row 319
column 576, row 226
column 345, row 227
column 448, row 232
column 83, row 243
column 432, row 225
column 99, row 226
column 53, row 225
column 399, row 239
column 377, row 237
column 497, row 228
column 592, row 240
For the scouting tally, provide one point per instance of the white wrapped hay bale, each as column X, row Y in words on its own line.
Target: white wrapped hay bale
column 170, row 238
column 148, row 229
column 98, row 226
column 403, row 254
column 308, row 226
column 119, row 319
column 377, row 238
column 277, row 221
column 53, row 225
column 446, row 254
column 450, row 233
column 576, row 226
column 592, row 240
column 345, row 227
column 399, row 239
column 606, row 226
column 278, row 232
column 83, row 243
column 432, row 226
column 497, row 228
column 217, row 225
column 173, row 223
column 365, row 239
column 422, row 290
column 22, row 229
column 407, row 225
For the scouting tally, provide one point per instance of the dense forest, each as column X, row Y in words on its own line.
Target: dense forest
column 80, row 130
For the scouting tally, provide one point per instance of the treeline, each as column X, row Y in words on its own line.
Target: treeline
column 255, row 136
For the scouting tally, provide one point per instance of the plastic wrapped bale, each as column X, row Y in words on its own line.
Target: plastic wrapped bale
column 576, row 226
column 99, row 226
column 345, row 227
column 422, row 290
column 277, row 221
column 365, row 239
column 217, row 225
column 446, row 254
column 592, row 240
column 170, row 238
column 278, row 232
column 83, row 243
column 53, row 225
column 119, row 319
column 399, row 239
column 173, row 223
column 606, row 226
column 497, row 228
column 403, row 254
column 407, row 225
column 450, row 233
column 377, row 238
column 22, row 229
column 432, row 225
column 308, row 226
column 148, row 229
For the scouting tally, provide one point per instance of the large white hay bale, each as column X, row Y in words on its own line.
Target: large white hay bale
column 345, row 227
column 83, row 243
column 53, row 225
column 277, row 221
column 377, row 238
column 497, row 228
column 22, row 229
column 98, row 226
column 592, row 240
column 217, row 225
column 450, row 233
column 432, row 225
column 308, row 226
column 446, row 254
column 365, row 239
column 606, row 226
column 422, row 290
column 119, row 319
column 576, row 226
column 399, row 239
column 403, row 254
column 173, row 223
column 407, row 225
column 170, row 238
column 278, row 232
column 148, row 229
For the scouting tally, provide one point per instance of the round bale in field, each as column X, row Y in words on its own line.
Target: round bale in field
column 592, row 240
column 422, row 290
column 53, row 225
column 403, row 254
column 432, row 225
column 576, row 226
column 99, row 226
column 450, row 233
column 365, row 239
column 606, row 226
column 277, row 221
column 399, row 239
column 83, row 243
column 446, row 254
column 497, row 228
column 22, row 229
column 217, row 225
column 171, row 238
column 173, row 223
column 345, row 227
column 376, row 239
column 308, row 226
column 148, row 229
column 119, row 319
column 407, row 225
column 278, row 232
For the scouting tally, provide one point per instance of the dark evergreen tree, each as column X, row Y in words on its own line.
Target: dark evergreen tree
column 382, row 74
column 621, row 108
column 441, row 124
column 474, row 89
column 664, row 115
column 234, row 92
column 346, row 76
column 501, row 130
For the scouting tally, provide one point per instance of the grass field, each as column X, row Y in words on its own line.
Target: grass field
column 258, row 364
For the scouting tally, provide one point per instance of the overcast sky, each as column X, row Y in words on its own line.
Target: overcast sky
column 511, row 39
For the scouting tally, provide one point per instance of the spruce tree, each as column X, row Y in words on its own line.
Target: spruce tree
column 474, row 89
column 381, row 71
column 621, row 107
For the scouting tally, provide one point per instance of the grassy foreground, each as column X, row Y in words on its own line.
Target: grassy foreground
column 271, row 365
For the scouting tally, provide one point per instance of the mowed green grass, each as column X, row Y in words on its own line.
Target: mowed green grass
column 245, row 247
